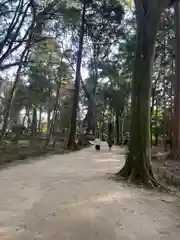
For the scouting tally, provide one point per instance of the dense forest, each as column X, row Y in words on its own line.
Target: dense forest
column 69, row 68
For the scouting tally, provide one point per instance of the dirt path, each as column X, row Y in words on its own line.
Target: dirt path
column 69, row 197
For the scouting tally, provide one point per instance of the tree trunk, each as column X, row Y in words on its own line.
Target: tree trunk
column 28, row 120
column 49, row 111
column 122, row 130
column 176, row 115
column 40, row 118
column 171, row 106
column 154, row 102
column 91, row 115
column 72, row 133
column 25, row 116
column 48, row 119
column 23, row 58
column 117, row 128
column 156, row 126
column 92, row 95
column 34, row 122
column 138, row 163
column 51, row 127
column 9, row 102
column 55, row 128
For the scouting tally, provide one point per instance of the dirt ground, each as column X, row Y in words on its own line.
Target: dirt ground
column 69, row 197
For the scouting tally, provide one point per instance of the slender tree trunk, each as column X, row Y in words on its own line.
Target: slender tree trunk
column 91, row 115
column 28, row 120
column 48, row 119
column 34, row 122
column 165, row 115
column 55, row 128
column 9, row 102
column 117, row 128
column 122, row 131
column 138, row 162
column 154, row 102
column 25, row 116
column 51, row 127
column 171, row 105
column 152, row 111
column 92, row 96
column 23, row 58
column 165, row 118
column 49, row 111
column 176, row 115
column 40, row 118
column 72, row 133
column 156, row 125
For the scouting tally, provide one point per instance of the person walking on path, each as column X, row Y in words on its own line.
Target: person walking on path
column 98, row 143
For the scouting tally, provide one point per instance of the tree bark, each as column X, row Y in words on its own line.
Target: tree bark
column 40, row 118
column 25, row 116
column 51, row 127
column 72, row 133
column 34, row 122
column 156, row 126
column 91, row 115
column 138, row 163
column 176, row 115
column 9, row 102
column 49, row 110
column 23, row 58
column 117, row 128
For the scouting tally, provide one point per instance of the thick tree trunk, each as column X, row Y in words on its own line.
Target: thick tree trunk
column 176, row 115
column 138, row 162
column 72, row 133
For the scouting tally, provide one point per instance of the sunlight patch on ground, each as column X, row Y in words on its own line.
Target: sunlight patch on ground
column 87, row 212
column 117, row 197
column 106, row 198
column 106, row 160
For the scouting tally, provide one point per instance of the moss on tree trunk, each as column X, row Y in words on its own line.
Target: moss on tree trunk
column 138, row 163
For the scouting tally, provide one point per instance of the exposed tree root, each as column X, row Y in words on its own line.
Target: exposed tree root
column 173, row 156
column 136, row 175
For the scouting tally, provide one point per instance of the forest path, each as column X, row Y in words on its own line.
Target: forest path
column 69, row 196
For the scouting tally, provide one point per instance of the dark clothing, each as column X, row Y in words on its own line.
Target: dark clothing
column 97, row 147
column 125, row 142
column 110, row 141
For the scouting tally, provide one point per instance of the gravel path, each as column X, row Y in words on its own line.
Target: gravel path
column 68, row 197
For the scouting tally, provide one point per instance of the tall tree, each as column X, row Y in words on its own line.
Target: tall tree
column 138, row 162
column 72, row 133
column 176, row 116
